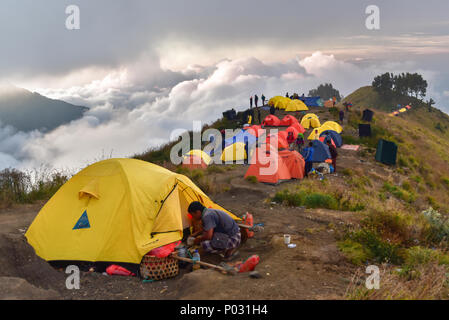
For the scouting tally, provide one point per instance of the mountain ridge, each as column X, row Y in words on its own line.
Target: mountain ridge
column 28, row 111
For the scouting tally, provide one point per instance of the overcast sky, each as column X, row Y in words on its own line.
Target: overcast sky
column 137, row 62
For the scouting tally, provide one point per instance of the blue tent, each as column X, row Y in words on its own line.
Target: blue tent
column 240, row 137
column 334, row 136
column 312, row 101
column 320, row 151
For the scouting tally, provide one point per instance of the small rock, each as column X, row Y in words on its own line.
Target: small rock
column 255, row 275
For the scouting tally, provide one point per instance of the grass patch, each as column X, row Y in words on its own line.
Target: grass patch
column 310, row 199
column 354, row 251
column 252, row 179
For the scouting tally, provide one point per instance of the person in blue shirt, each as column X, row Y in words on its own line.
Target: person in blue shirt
column 308, row 158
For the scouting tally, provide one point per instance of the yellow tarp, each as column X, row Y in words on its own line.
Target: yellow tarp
column 115, row 210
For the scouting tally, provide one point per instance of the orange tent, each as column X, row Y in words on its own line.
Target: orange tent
column 277, row 166
column 271, row 121
column 298, row 127
column 283, row 134
column 289, row 120
column 282, row 142
column 293, row 130
column 194, row 162
column 255, row 130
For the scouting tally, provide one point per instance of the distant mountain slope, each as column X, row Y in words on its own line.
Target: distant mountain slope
column 27, row 111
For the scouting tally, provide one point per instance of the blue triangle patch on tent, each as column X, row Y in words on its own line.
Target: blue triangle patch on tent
column 83, row 222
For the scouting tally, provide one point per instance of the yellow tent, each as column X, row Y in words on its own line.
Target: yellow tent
column 296, row 105
column 115, row 210
column 332, row 125
column 328, row 125
column 402, row 110
column 282, row 102
column 234, row 152
column 310, row 120
column 273, row 100
column 200, row 154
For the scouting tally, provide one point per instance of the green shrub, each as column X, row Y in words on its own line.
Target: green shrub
column 380, row 250
column 402, row 162
column 319, row 200
column 399, row 192
column 215, row 169
column 437, row 228
column 20, row 187
column 354, row 251
column 251, row 179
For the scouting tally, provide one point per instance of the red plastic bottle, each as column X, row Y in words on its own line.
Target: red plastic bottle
column 249, row 221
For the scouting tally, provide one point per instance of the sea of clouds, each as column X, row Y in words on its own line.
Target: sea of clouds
column 137, row 106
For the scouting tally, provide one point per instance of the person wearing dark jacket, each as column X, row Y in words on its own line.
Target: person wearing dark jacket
column 308, row 158
column 272, row 110
column 334, row 154
column 263, row 100
column 256, row 100
column 251, row 102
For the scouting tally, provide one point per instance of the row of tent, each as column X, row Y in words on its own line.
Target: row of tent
column 287, row 104
column 302, row 103
column 402, row 110
column 244, row 146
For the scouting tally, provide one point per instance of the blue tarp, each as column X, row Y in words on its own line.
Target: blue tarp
column 240, row 137
column 312, row 101
column 334, row 136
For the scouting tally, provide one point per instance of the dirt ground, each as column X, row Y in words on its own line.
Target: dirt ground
column 315, row 269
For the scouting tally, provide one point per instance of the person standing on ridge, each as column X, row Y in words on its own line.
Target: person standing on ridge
column 263, row 100
column 286, row 95
column 251, row 102
column 256, row 100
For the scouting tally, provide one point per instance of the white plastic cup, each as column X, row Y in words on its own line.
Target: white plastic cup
column 287, row 238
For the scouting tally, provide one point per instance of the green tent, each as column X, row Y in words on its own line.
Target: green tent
column 386, row 152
